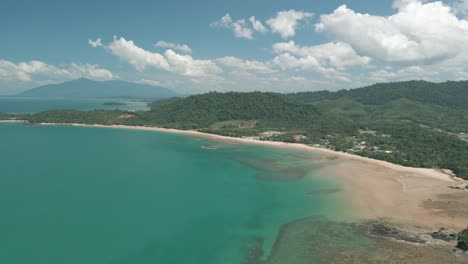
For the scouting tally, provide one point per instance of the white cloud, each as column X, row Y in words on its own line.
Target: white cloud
column 186, row 65
column 127, row 51
column 96, row 43
column 241, row 30
column 286, row 61
column 286, row 22
column 418, row 33
column 257, row 25
column 149, row 82
column 36, row 71
column 239, row 27
column 170, row 61
column 90, row 71
column 223, row 22
column 339, row 55
column 180, row 47
column 246, row 65
column 407, row 73
column 171, row 83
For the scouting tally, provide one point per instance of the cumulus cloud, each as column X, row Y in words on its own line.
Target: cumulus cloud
column 418, row 33
column 96, row 43
column 90, row 71
column 127, row 51
column 287, row 61
column 149, row 82
column 170, row 61
column 33, row 71
column 239, row 27
column 246, row 65
column 407, row 73
column 257, row 25
column 180, row 47
column 285, row 23
column 186, row 65
column 339, row 55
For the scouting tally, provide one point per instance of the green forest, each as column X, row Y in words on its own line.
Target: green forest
column 416, row 123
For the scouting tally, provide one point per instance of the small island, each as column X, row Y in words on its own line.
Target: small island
column 114, row 103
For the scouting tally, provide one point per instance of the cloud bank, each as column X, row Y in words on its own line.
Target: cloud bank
column 420, row 40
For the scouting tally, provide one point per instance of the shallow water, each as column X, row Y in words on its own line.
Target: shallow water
column 97, row 195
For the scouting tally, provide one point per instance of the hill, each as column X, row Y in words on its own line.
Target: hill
column 85, row 88
column 441, row 106
column 451, row 94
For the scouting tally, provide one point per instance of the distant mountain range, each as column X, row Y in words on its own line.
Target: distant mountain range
column 87, row 89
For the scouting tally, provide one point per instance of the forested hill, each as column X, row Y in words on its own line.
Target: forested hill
column 452, row 94
column 212, row 107
column 266, row 110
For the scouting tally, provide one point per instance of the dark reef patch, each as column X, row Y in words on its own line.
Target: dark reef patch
column 317, row 240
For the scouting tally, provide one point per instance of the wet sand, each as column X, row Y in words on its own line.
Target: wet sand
column 402, row 195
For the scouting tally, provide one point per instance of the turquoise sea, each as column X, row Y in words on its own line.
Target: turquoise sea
column 25, row 105
column 95, row 195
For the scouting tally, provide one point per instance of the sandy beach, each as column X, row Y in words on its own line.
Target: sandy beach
column 376, row 189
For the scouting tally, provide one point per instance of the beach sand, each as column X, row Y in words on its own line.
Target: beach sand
column 407, row 196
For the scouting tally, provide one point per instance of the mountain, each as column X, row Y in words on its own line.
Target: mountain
column 85, row 88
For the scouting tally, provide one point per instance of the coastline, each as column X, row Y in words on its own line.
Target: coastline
column 434, row 173
column 376, row 189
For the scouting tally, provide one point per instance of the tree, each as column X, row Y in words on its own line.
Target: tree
column 463, row 240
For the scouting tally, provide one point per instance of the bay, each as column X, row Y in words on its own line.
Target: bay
column 97, row 195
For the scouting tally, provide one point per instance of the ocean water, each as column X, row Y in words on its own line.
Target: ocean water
column 21, row 105
column 94, row 195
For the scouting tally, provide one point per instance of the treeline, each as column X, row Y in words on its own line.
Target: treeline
column 105, row 117
column 4, row 116
column 451, row 94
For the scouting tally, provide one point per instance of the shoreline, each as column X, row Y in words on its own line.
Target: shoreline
column 430, row 172
column 441, row 174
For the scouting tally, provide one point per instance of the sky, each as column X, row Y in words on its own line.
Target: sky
column 207, row 45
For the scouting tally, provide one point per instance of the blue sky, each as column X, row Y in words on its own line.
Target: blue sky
column 295, row 45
